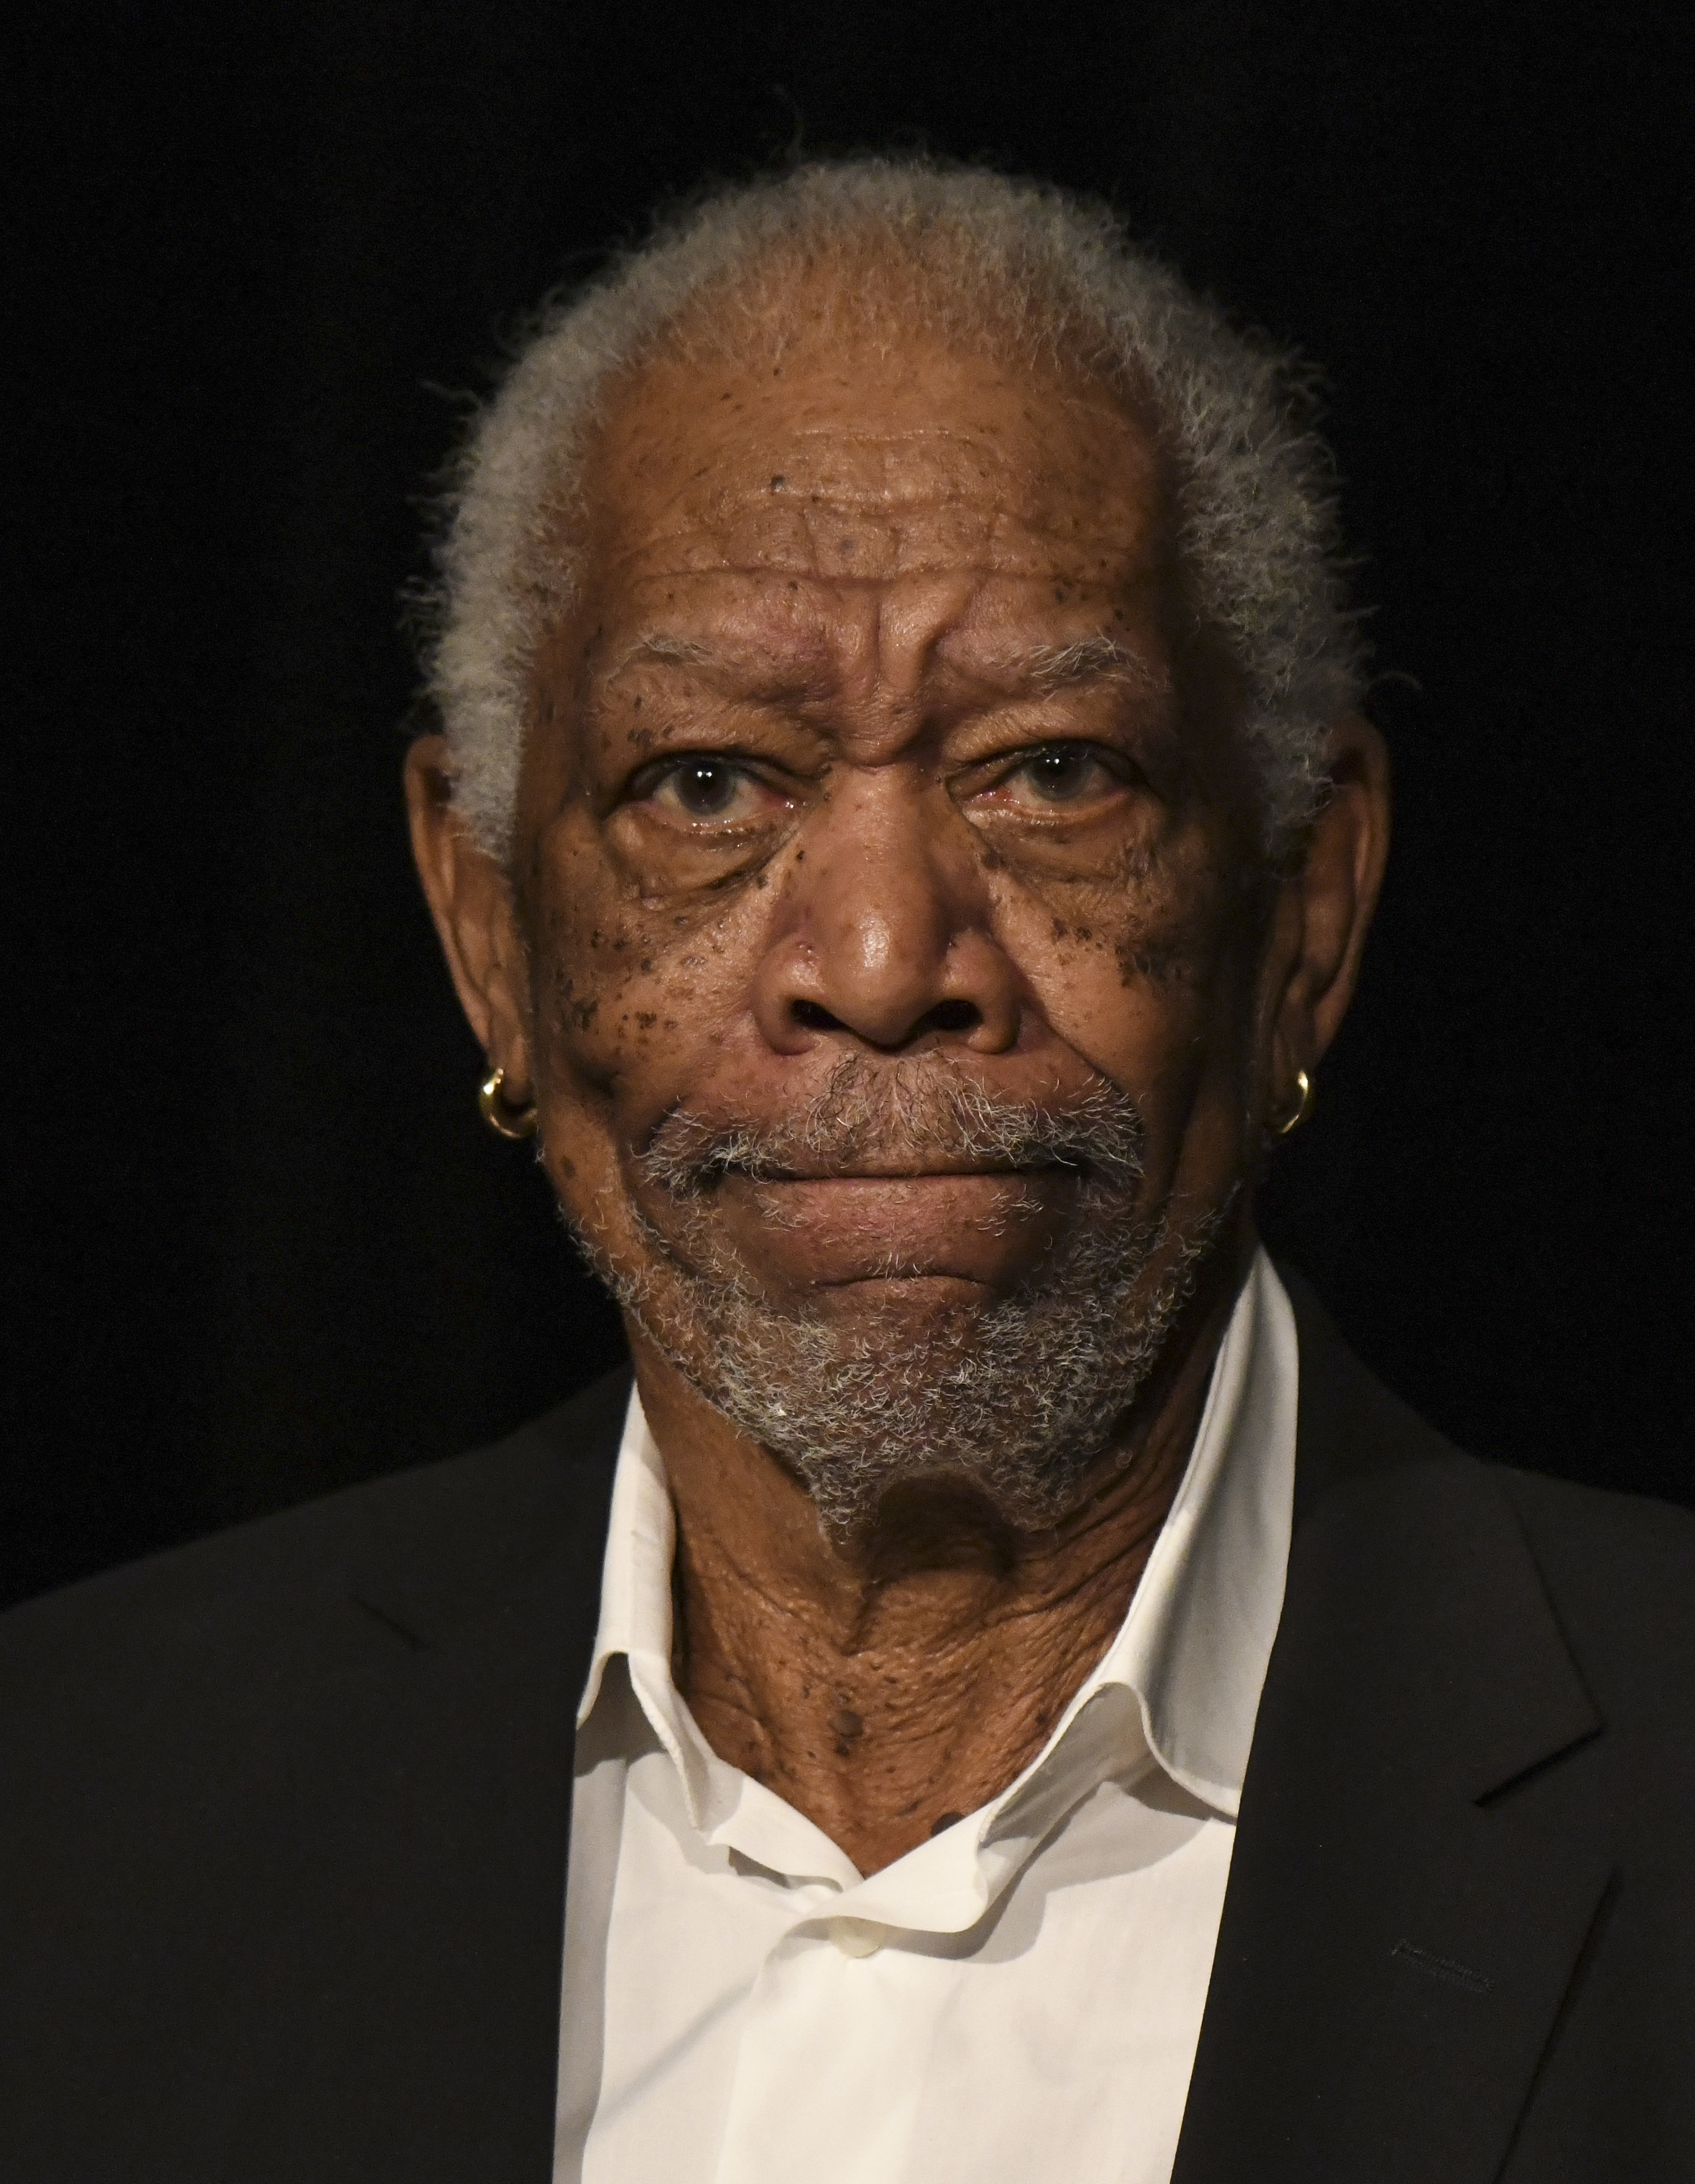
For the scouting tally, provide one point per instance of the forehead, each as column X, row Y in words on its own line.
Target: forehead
column 852, row 469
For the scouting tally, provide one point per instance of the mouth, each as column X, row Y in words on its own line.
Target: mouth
column 983, row 1227
column 932, row 1167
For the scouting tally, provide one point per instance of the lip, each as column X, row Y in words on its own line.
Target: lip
column 984, row 1227
column 940, row 1170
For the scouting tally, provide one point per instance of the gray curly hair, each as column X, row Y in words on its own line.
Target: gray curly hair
column 962, row 252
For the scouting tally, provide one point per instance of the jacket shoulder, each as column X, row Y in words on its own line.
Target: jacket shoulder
column 449, row 1529
column 1620, row 1569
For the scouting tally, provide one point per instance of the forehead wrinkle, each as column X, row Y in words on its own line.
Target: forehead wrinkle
column 966, row 454
column 760, row 669
column 810, row 663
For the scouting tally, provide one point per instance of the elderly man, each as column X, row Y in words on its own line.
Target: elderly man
column 904, row 838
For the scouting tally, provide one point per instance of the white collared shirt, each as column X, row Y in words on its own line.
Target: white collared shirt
column 1014, row 2001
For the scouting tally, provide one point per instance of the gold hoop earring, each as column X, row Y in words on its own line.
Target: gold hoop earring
column 505, row 1122
column 1303, row 1105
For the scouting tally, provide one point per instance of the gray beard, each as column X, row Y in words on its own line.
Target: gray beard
column 1016, row 1402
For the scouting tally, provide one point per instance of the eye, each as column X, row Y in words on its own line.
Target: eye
column 1062, row 774
column 702, row 788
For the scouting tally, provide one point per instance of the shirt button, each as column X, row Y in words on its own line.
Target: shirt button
column 857, row 1937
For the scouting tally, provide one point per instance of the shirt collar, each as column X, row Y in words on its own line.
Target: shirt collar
column 1192, row 1649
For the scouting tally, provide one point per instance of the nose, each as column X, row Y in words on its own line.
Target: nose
column 884, row 936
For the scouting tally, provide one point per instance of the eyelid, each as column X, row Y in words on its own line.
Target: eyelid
column 652, row 772
column 645, row 784
column 995, row 772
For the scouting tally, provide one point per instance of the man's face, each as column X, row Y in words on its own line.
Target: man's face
column 875, row 783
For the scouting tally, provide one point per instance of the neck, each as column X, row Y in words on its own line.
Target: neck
column 889, row 1686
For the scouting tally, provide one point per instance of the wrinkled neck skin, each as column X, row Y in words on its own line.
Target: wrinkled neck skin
column 884, row 1686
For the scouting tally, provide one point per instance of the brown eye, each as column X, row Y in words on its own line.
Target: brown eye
column 705, row 787
column 703, row 790
column 1062, row 774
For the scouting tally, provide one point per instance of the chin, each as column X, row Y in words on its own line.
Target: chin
column 878, row 1384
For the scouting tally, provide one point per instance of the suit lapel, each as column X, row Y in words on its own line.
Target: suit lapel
column 1398, row 1934
column 454, row 1867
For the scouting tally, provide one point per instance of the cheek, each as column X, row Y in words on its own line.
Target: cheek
column 1145, row 976
column 628, row 993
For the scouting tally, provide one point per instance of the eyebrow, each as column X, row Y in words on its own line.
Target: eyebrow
column 1097, row 657
column 776, row 677
column 660, row 644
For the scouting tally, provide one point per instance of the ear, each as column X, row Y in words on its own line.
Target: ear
column 1325, row 908
column 470, row 900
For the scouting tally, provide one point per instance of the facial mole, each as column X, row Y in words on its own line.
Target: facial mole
column 779, row 482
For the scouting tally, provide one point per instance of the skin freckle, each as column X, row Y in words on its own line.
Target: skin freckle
column 1152, row 965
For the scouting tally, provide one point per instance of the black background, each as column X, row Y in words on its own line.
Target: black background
column 262, row 1246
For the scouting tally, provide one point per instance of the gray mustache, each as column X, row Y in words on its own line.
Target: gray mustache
column 867, row 1113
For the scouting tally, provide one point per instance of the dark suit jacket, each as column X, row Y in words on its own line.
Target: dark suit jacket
column 283, row 1825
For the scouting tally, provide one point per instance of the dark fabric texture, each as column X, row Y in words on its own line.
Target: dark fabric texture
column 284, row 1817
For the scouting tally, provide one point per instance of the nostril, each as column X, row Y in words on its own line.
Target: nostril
column 950, row 1015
